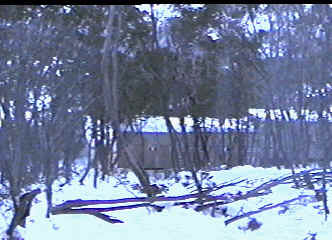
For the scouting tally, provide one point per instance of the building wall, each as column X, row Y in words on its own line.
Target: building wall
column 153, row 150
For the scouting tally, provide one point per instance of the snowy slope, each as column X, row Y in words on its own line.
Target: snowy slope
column 298, row 222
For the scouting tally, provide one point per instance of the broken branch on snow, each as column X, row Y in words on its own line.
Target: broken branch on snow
column 248, row 214
column 204, row 198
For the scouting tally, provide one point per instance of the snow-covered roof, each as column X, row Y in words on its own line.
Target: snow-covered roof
column 157, row 124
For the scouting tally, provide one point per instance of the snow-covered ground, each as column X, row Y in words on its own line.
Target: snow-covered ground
column 299, row 220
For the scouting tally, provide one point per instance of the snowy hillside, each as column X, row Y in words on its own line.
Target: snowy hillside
column 301, row 219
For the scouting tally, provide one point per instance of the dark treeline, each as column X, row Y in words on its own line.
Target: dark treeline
column 65, row 66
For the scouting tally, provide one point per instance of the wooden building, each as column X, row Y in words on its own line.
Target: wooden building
column 166, row 151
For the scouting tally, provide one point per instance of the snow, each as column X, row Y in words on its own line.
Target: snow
column 303, row 218
column 157, row 124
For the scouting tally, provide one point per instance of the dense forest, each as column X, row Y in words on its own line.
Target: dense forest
column 68, row 72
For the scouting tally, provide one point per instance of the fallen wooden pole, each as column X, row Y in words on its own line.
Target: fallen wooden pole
column 203, row 199
column 248, row 214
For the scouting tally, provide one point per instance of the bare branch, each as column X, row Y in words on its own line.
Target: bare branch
column 248, row 214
